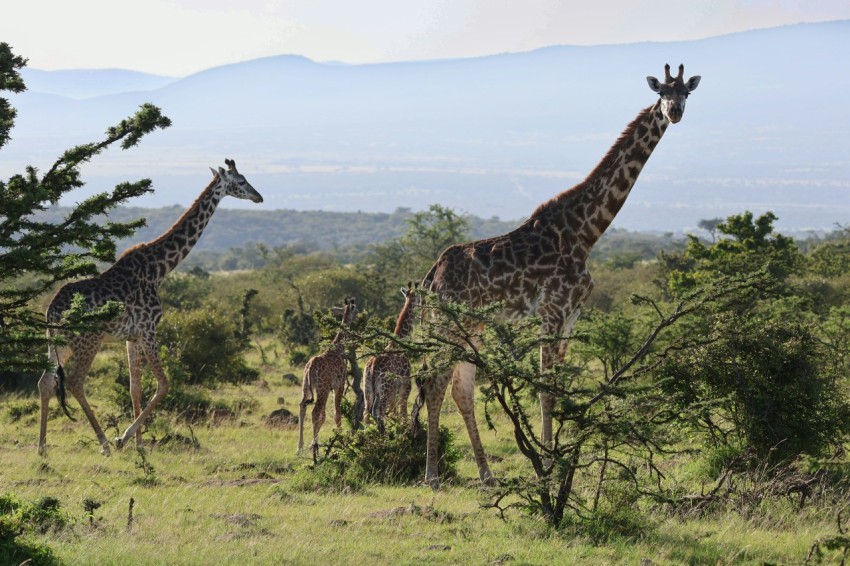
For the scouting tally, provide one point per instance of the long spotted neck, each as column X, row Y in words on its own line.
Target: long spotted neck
column 404, row 324
column 338, row 344
column 167, row 251
column 589, row 208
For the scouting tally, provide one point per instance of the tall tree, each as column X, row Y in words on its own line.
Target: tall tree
column 35, row 254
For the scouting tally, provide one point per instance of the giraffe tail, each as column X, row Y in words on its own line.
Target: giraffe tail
column 307, row 389
column 60, row 391
column 60, row 372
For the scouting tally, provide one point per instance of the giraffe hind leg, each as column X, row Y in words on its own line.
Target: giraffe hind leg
column 134, row 359
column 46, row 386
column 84, row 352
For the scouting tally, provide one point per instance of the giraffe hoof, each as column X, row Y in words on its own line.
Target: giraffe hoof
column 119, row 443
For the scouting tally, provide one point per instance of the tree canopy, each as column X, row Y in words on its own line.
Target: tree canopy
column 36, row 254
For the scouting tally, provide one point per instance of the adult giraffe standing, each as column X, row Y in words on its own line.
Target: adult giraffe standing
column 540, row 268
column 134, row 281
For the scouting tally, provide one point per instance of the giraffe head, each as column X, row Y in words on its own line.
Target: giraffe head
column 235, row 184
column 409, row 293
column 349, row 313
column 673, row 92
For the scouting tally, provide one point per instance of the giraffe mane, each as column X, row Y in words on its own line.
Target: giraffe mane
column 600, row 168
column 161, row 237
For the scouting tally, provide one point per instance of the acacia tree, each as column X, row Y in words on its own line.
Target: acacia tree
column 609, row 430
column 745, row 244
column 34, row 254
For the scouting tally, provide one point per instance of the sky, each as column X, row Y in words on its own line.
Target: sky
column 180, row 37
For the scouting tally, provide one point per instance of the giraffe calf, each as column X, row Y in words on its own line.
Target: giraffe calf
column 387, row 375
column 325, row 372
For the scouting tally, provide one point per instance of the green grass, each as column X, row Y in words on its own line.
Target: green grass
column 234, row 499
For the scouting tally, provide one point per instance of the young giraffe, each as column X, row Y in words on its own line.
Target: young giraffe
column 540, row 267
column 133, row 280
column 324, row 373
column 387, row 375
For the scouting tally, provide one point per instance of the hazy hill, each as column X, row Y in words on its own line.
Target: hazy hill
column 88, row 83
column 236, row 228
column 490, row 136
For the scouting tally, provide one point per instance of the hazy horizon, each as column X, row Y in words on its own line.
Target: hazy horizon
column 489, row 136
column 193, row 35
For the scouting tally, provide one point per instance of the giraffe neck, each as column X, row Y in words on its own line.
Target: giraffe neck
column 404, row 324
column 589, row 208
column 338, row 343
column 167, row 251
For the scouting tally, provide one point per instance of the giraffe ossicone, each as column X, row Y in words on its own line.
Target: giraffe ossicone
column 133, row 280
column 540, row 268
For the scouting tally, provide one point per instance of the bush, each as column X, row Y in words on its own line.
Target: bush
column 205, row 344
column 18, row 518
column 357, row 458
column 771, row 382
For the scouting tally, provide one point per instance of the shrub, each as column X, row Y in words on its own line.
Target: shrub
column 206, row 345
column 357, row 458
column 770, row 381
column 18, row 518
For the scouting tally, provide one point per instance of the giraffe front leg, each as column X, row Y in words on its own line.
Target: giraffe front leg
column 152, row 355
column 463, row 393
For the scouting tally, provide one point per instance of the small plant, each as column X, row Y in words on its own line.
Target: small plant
column 148, row 477
column 90, row 506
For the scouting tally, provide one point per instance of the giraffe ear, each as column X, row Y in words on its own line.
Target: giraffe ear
column 215, row 173
column 693, row 83
column 221, row 172
column 405, row 291
column 654, row 84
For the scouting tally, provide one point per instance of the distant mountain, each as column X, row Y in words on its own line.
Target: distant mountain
column 497, row 135
column 237, row 228
column 88, row 83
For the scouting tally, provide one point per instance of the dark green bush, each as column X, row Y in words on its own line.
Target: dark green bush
column 205, row 344
column 20, row 518
column 766, row 385
column 358, row 458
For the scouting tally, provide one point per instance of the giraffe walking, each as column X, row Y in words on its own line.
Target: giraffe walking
column 324, row 373
column 133, row 280
column 540, row 268
column 387, row 375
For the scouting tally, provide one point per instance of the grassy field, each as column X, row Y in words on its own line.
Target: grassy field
column 232, row 497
